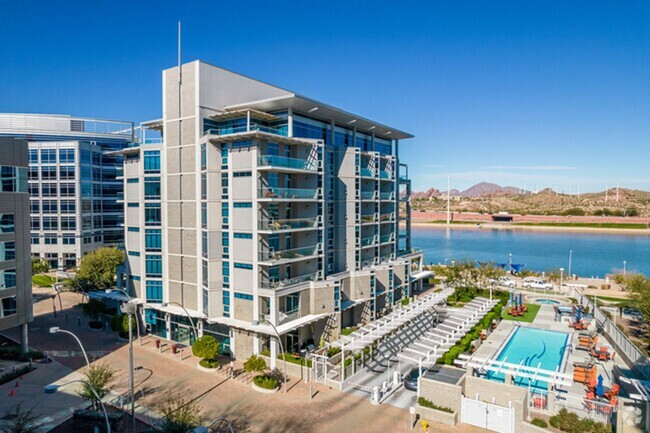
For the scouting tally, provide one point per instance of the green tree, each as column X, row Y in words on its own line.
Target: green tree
column 205, row 347
column 39, row 266
column 20, row 421
column 98, row 376
column 97, row 269
column 255, row 364
column 94, row 309
column 179, row 415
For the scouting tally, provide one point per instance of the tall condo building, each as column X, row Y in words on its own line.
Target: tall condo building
column 73, row 184
column 15, row 261
column 262, row 210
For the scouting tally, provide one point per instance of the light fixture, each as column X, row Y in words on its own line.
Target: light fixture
column 313, row 109
column 371, row 128
column 352, row 121
column 54, row 329
column 389, row 132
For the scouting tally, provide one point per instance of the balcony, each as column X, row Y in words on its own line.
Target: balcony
column 229, row 130
column 293, row 164
column 387, row 195
column 366, row 172
column 368, row 195
column 387, row 217
column 293, row 254
column 365, row 219
column 403, row 177
column 288, row 224
column 278, row 193
column 288, row 316
column 366, row 242
column 384, row 175
column 274, row 284
column 385, row 238
column 119, row 172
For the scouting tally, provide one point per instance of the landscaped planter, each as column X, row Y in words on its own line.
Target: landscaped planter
column 95, row 325
column 435, row 415
column 208, row 369
column 264, row 390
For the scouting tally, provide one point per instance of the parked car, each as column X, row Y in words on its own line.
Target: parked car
column 538, row 284
column 507, row 281
column 411, row 379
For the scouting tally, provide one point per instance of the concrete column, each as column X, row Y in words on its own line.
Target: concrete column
column 275, row 351
column 24, row 338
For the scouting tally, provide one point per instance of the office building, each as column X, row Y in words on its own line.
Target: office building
column 263, row 206
column 72, row 183
column 15, row 261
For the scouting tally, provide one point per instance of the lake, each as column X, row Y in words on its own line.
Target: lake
column 594, row 254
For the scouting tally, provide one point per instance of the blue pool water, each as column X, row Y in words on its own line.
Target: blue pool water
column 534, row 347
column 547, row 301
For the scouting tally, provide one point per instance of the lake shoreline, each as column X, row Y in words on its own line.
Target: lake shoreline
column 508, row 227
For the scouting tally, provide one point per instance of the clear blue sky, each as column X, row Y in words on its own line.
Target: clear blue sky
column 542, row 93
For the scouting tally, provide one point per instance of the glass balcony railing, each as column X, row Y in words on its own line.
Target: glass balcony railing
column 367, row 262
column 288, row 316
column 367, row 218
column 119, row 171
column 384, row 174
column 366, row 172
column 385, row 238
column 367, row 241
column 368, row 195
column 407, row 252
column 386, row 217
column 273, row 192
column 387, row 196
column 286, row 162
column 403, row 177
column 288, row 224
column 119, row 196
column 227, row 130
column 274, row 284
column 294, row 253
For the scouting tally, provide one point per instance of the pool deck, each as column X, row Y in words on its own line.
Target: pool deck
column 545, row 319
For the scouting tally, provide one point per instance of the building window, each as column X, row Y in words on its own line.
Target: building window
column 225, row 243
column 134, row 253
column 241, row 143
column 204, row 244
column 152, row 214
column 204, row 215
column 243, row 266
column 7, row 279
column 134, row 229
column 224, row 214
column 33, row 156
column 68, row 240
column 6, row 223
column 243, row 296
column 133, row 180
column 154, row 266
column 204, row 186
column 204, row 157
column 243, row 236
column 13, row 179
column 48, row 156
column 49, row 240
column 154, row 291
column 7, row 251
column 66, row 155
column 242, row 174
column 152, row 161
column 36, row 240
column 50, row 223
column 226, row 303
column 68, row 223
column 153, row 239
column 68, row 206
column 152, row 188
column 225, row 271
column 8, row 306
column 204, row 273
column 206, row 302
column 243, row 205
column 133, row 204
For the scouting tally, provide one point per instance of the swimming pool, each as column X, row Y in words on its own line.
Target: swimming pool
column 535, row 347
column 547, row 301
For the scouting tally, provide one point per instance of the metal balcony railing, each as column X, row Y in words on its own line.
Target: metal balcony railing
column 286, row 162
column 227, row 130
column 273, row 192
column 294, row 253
column 273, row 284
column 288, row 224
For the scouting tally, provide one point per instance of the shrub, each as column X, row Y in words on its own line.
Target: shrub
column 539, row 423
column 209, row 363
column 255, row 364
column 572, row 423
column 333, row 351
column 8, row 377
column 426, row 403
column 13, row 353
column 575, row 211
column 405, row 301
column 206, row 347
column 93, row 309
column 266, row 382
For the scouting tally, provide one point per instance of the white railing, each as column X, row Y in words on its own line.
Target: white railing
column 551, row 402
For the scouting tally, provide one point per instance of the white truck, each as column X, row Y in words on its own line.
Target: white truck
column 537, row 284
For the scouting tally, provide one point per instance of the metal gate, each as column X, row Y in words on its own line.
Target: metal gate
column 319, row 368
column 486, row 415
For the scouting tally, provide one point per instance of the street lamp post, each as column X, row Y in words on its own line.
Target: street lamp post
column 570, row 259
column 561, row 278
column 56, row 329
column 206, row 429
column 284, row 355
column 130, row 311
column 196, row 333
column 52, row 389
column 624, row 267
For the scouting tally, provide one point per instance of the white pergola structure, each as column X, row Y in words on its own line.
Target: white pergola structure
column 516, row 371
column 368, row 334
column 426, row 351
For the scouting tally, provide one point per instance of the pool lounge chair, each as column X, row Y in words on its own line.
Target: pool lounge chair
column 612, row 393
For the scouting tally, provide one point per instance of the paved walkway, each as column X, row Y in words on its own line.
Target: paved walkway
column 217, row 394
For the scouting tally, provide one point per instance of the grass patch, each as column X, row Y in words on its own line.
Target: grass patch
column 349, row 330
column 588, row 225
column 426, row 403
column 528, row 317
column 209, row 363
column 42, row 280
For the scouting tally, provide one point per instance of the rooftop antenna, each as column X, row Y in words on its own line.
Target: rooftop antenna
column 448, row 199
column 180, row 70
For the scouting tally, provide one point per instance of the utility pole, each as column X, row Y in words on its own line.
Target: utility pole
column 448, row 200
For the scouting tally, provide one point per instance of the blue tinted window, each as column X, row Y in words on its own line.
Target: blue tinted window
column 152, row 161
column 242, row 205
column 154, row 266
column 243, row 266
column 154, row 291
column 153, row 239
column 244, row 296
column 243, row 236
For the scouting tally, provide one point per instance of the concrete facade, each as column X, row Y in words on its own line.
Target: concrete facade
column 277, row 213
column 15, row 259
